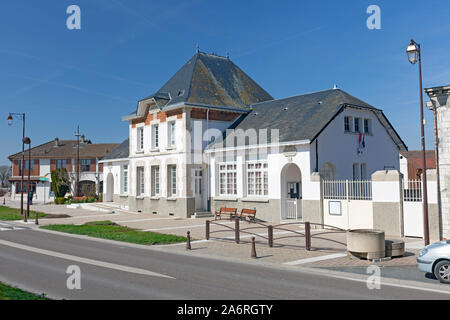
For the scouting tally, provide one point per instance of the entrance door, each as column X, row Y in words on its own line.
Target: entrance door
column 198, row 189
column 292, row 199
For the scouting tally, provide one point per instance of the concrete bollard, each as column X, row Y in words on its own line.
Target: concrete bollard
column 188, row 241
column 253, row 255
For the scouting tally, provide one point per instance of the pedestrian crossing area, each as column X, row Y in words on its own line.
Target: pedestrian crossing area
column 9, row 227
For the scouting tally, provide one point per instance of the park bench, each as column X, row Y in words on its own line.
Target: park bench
column 231, row 212
column 248, row 214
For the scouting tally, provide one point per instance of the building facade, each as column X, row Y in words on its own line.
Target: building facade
column 212, row 137
column 54, row 155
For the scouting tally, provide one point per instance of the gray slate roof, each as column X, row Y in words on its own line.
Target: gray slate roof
column 302, row 117
column 209, row 79
column 120, row 152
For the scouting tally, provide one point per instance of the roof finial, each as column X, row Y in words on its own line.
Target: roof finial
column 198, row 48
column 335, row 87
column 228, row 54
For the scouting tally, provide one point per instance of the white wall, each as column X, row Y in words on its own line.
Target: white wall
column 340, row 148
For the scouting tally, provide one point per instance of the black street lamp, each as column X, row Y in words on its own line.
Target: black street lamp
column 414, row 56
column 22, row 166
column 28, row 142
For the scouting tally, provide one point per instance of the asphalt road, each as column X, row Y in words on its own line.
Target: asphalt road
column 37, row 261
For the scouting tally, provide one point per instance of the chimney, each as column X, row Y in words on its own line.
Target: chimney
column 56, row 142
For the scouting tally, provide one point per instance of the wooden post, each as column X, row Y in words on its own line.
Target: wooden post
column 270, row 235
column 308, row 236
column 207, row 229
column 236, row 230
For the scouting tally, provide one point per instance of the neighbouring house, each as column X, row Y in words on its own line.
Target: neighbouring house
column 411, row 163
column 57, row 154
column 440, row 105
column 212, row 137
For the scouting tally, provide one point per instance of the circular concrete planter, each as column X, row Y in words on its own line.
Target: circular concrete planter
column 366, row 243
column 395, row 248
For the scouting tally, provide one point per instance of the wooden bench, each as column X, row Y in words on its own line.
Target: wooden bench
column 248, row 214
column 231, row 212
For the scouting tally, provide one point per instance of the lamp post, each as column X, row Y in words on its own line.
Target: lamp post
column 28, row 142
column 22, row 166
column 414, row 56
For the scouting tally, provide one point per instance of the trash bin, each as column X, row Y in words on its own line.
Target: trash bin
column 30, row 196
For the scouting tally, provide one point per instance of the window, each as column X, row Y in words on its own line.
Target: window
column 60, row 163
column 347, row 124
column 357, row 124
column 367, row 126
column 363, row 171
column 85, row 165
column 171, row 134
column 227, row 179
column 155, row 181
column 356, row 171
column 125, row 179
column 140, row 139
column 257, row 179
column 172, row 183
column 26, row 166
column 155, row 136
column 140, row 181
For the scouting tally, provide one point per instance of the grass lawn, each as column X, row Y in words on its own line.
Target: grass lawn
column 113, row 231
column 7, row 213
column 10, row 293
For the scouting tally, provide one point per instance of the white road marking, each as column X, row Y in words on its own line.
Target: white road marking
column 84, row 260
column 315, row 259
column 9, row 227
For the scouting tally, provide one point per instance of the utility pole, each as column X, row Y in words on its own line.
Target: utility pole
column 77, row 179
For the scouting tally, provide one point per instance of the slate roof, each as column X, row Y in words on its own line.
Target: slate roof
column 120, row 152
column 67, row 149
column 211, row 80
column 303, row 117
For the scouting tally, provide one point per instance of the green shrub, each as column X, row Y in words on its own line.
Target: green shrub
column 60, row 200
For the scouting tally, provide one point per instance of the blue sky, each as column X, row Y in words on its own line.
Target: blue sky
column 127, row 49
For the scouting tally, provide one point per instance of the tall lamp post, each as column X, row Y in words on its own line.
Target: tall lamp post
column 414, row 56
column 22, row 166
column 28, row 142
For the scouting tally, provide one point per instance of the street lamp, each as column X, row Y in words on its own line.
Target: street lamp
column 22, row 166
column 28, row 142
column 414, row 56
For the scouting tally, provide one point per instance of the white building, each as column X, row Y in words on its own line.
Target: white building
column 177, row 163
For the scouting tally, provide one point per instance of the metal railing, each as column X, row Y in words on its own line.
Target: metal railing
column 306, row 233
column 412, row 191
column 347, row 189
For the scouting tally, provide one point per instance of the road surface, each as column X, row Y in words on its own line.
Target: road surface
column 37, row 261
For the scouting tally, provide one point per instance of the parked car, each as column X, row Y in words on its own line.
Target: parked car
column 435, row 259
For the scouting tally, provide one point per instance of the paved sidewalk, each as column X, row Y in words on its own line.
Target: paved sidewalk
column 287, row 251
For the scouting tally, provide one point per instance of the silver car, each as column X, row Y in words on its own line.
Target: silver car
column 435, row 259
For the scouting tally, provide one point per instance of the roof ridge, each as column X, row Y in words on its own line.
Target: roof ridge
column 296, row 96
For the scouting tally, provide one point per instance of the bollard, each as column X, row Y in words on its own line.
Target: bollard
column 270, row 235
column 207, row 230
column 308, row 236
column 36, row 221
column 4, row 201
column 236, row 230
column 188, row 241
column 253, row 248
